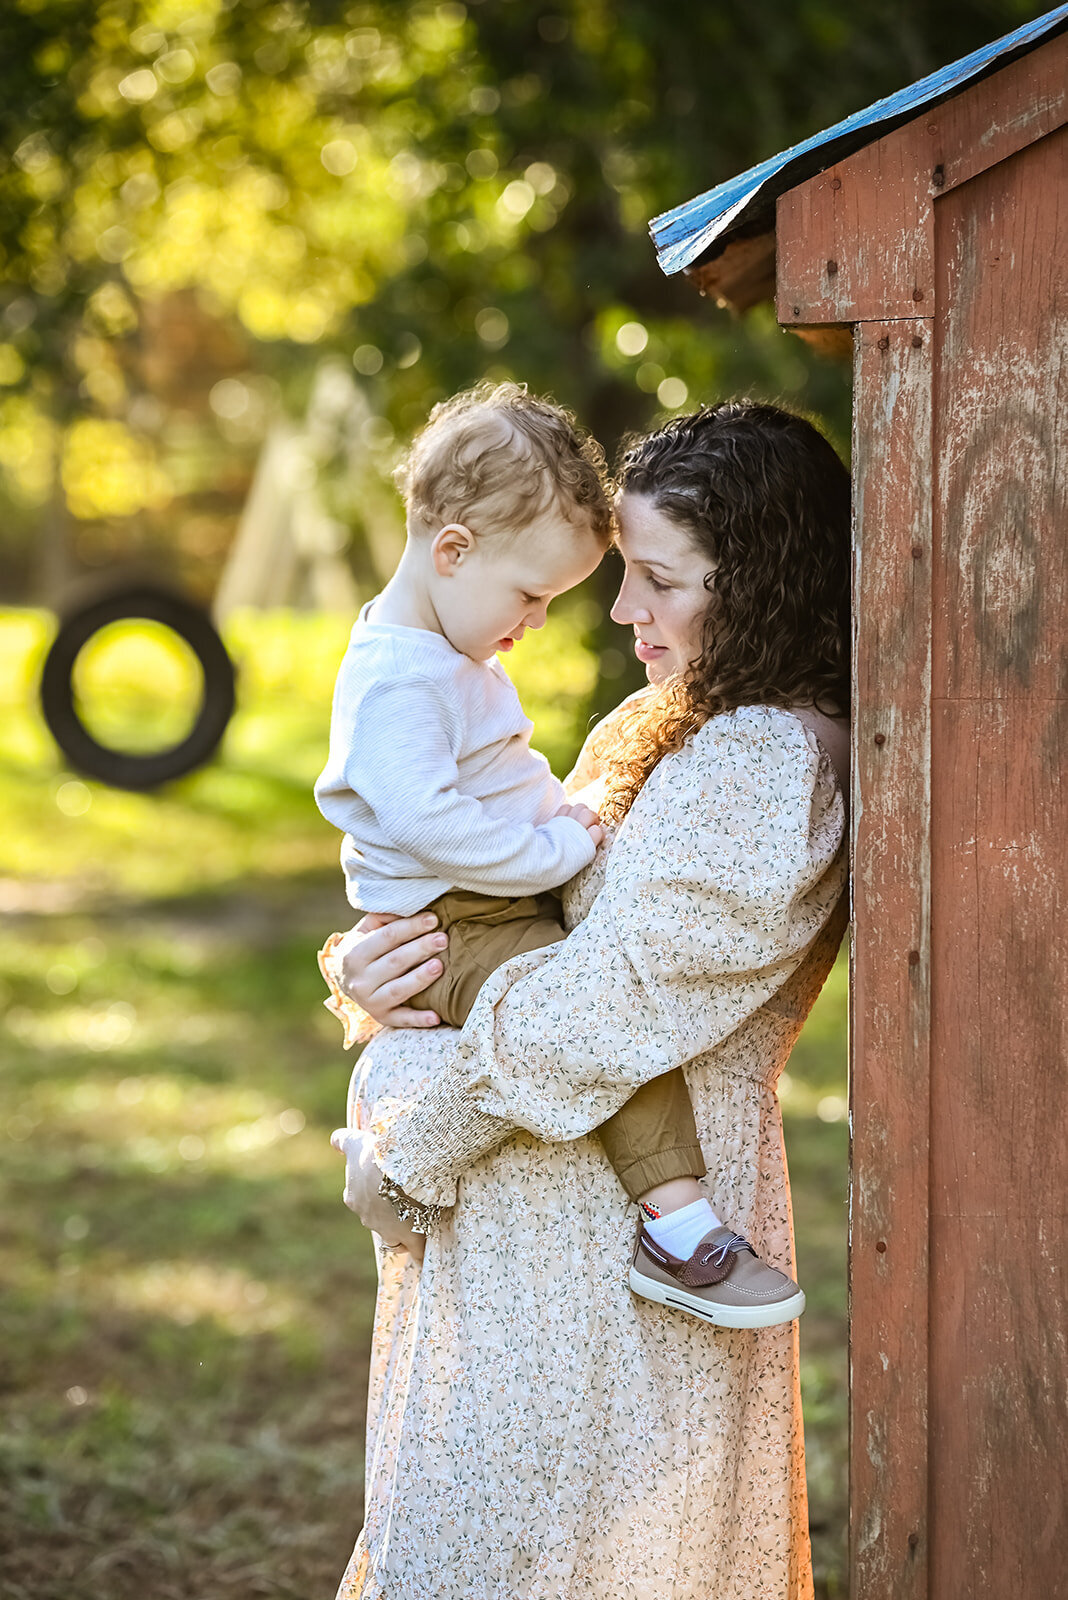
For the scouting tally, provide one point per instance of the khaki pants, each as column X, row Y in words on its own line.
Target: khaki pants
column 653, row 1138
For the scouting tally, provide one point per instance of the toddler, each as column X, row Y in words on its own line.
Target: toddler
column 445, row 808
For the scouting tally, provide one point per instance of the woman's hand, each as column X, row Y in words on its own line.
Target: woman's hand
column 363, row 1180
column 392, row 959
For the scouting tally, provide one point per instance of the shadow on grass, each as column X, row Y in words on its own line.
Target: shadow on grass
column 186, row 1303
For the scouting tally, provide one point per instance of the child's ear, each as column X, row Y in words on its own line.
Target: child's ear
column 449, row 547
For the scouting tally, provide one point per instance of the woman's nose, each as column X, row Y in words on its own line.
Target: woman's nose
column 625, row 610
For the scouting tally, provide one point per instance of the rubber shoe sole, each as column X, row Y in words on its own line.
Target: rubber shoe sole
column 680, row 1299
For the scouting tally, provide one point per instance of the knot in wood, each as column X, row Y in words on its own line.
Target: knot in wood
column 938, row 177
column 832, row 268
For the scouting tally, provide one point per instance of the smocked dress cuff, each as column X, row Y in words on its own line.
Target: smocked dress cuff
column 421, row 1147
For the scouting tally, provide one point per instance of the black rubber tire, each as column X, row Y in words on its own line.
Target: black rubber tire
column 119, row 768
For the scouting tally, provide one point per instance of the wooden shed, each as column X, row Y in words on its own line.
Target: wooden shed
column 928, row 233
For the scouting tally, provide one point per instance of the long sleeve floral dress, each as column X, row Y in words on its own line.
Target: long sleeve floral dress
column 535, row 1431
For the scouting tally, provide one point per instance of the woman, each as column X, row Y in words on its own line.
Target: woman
column 534, row 1430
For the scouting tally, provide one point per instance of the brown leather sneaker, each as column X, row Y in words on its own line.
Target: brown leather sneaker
column 724, row 1281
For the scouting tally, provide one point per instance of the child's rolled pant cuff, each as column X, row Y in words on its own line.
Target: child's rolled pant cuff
column 646, row 1172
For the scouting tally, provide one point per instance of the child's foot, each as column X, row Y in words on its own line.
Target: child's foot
column 724, row 1281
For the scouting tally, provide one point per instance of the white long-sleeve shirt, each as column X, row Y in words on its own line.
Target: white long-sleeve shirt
column 432, row 780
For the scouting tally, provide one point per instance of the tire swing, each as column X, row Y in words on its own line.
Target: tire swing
column 124, row 769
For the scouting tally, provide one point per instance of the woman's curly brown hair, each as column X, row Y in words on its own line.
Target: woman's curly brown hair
column 766, row 498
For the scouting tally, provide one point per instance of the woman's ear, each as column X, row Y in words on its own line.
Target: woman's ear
column 449, row 546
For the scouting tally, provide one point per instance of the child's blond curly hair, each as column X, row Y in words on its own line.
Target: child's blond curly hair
column 496, row 458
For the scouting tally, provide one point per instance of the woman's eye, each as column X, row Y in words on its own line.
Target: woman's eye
column 655, row 583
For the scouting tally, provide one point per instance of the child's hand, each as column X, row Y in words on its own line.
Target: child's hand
column 589, row 820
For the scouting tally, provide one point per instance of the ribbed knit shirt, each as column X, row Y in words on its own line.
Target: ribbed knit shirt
column 432, row 780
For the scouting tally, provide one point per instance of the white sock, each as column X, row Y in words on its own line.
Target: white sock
column 680, row 1232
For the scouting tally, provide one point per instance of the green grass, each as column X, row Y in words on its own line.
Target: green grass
column 185, row 1305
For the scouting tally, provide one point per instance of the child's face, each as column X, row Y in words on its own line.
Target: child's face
column 489, row 592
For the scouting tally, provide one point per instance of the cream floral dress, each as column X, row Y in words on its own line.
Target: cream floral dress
column 534, row 1430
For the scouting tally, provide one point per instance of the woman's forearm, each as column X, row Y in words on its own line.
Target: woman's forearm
column 428, row 1140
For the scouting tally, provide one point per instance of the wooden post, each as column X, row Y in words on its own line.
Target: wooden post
column 890, row 972
column 942, row 244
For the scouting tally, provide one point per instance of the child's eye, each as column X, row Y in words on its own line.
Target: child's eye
column 531, row 599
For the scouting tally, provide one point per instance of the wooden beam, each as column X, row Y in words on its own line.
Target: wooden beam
column 890, row 966
column 855, row 243
column 741, row 276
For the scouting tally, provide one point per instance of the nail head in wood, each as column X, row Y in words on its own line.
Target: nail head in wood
column 881, row 1247
column 917, row 342
column 914, row 958
column 938, row 177
column 884, row 343
column 836, row 183
column 797, row 311
column 880, row 738
column 832, row 268
column 917, row 294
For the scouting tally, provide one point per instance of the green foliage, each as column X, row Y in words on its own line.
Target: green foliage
column 185, row 1303
column 437, row 191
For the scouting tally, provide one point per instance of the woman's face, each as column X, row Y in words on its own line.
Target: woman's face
column 663, row 596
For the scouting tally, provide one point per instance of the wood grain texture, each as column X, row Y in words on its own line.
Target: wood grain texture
column 1009, row 111
column 950, row 260
column 855, row 243
column 742, row 275
column 999, row 1126
column 890, row 1010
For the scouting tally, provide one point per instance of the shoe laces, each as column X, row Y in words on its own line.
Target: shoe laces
column 718, row 1253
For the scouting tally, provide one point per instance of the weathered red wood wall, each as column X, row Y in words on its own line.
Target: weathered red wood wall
column 943, row 245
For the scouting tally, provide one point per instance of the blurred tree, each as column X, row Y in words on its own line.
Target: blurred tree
column 202, row 195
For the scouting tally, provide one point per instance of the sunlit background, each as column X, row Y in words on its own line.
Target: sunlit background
column 243, row 249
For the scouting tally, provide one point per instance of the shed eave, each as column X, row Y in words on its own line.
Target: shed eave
column 701, row 228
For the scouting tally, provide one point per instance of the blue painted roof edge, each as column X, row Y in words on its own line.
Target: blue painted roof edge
column 686, row 232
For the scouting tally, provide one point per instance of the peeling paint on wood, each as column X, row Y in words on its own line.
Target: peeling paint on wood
column 999, row 1111
column 890, row 996
column 948, row 239
column 871, row 214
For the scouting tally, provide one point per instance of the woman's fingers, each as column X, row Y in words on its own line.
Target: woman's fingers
column 367, row 967
column 375, row 919
column 361, row 1191
column 391, row 935
column 405, row 1017
column 416, row 954
column 396, row 991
